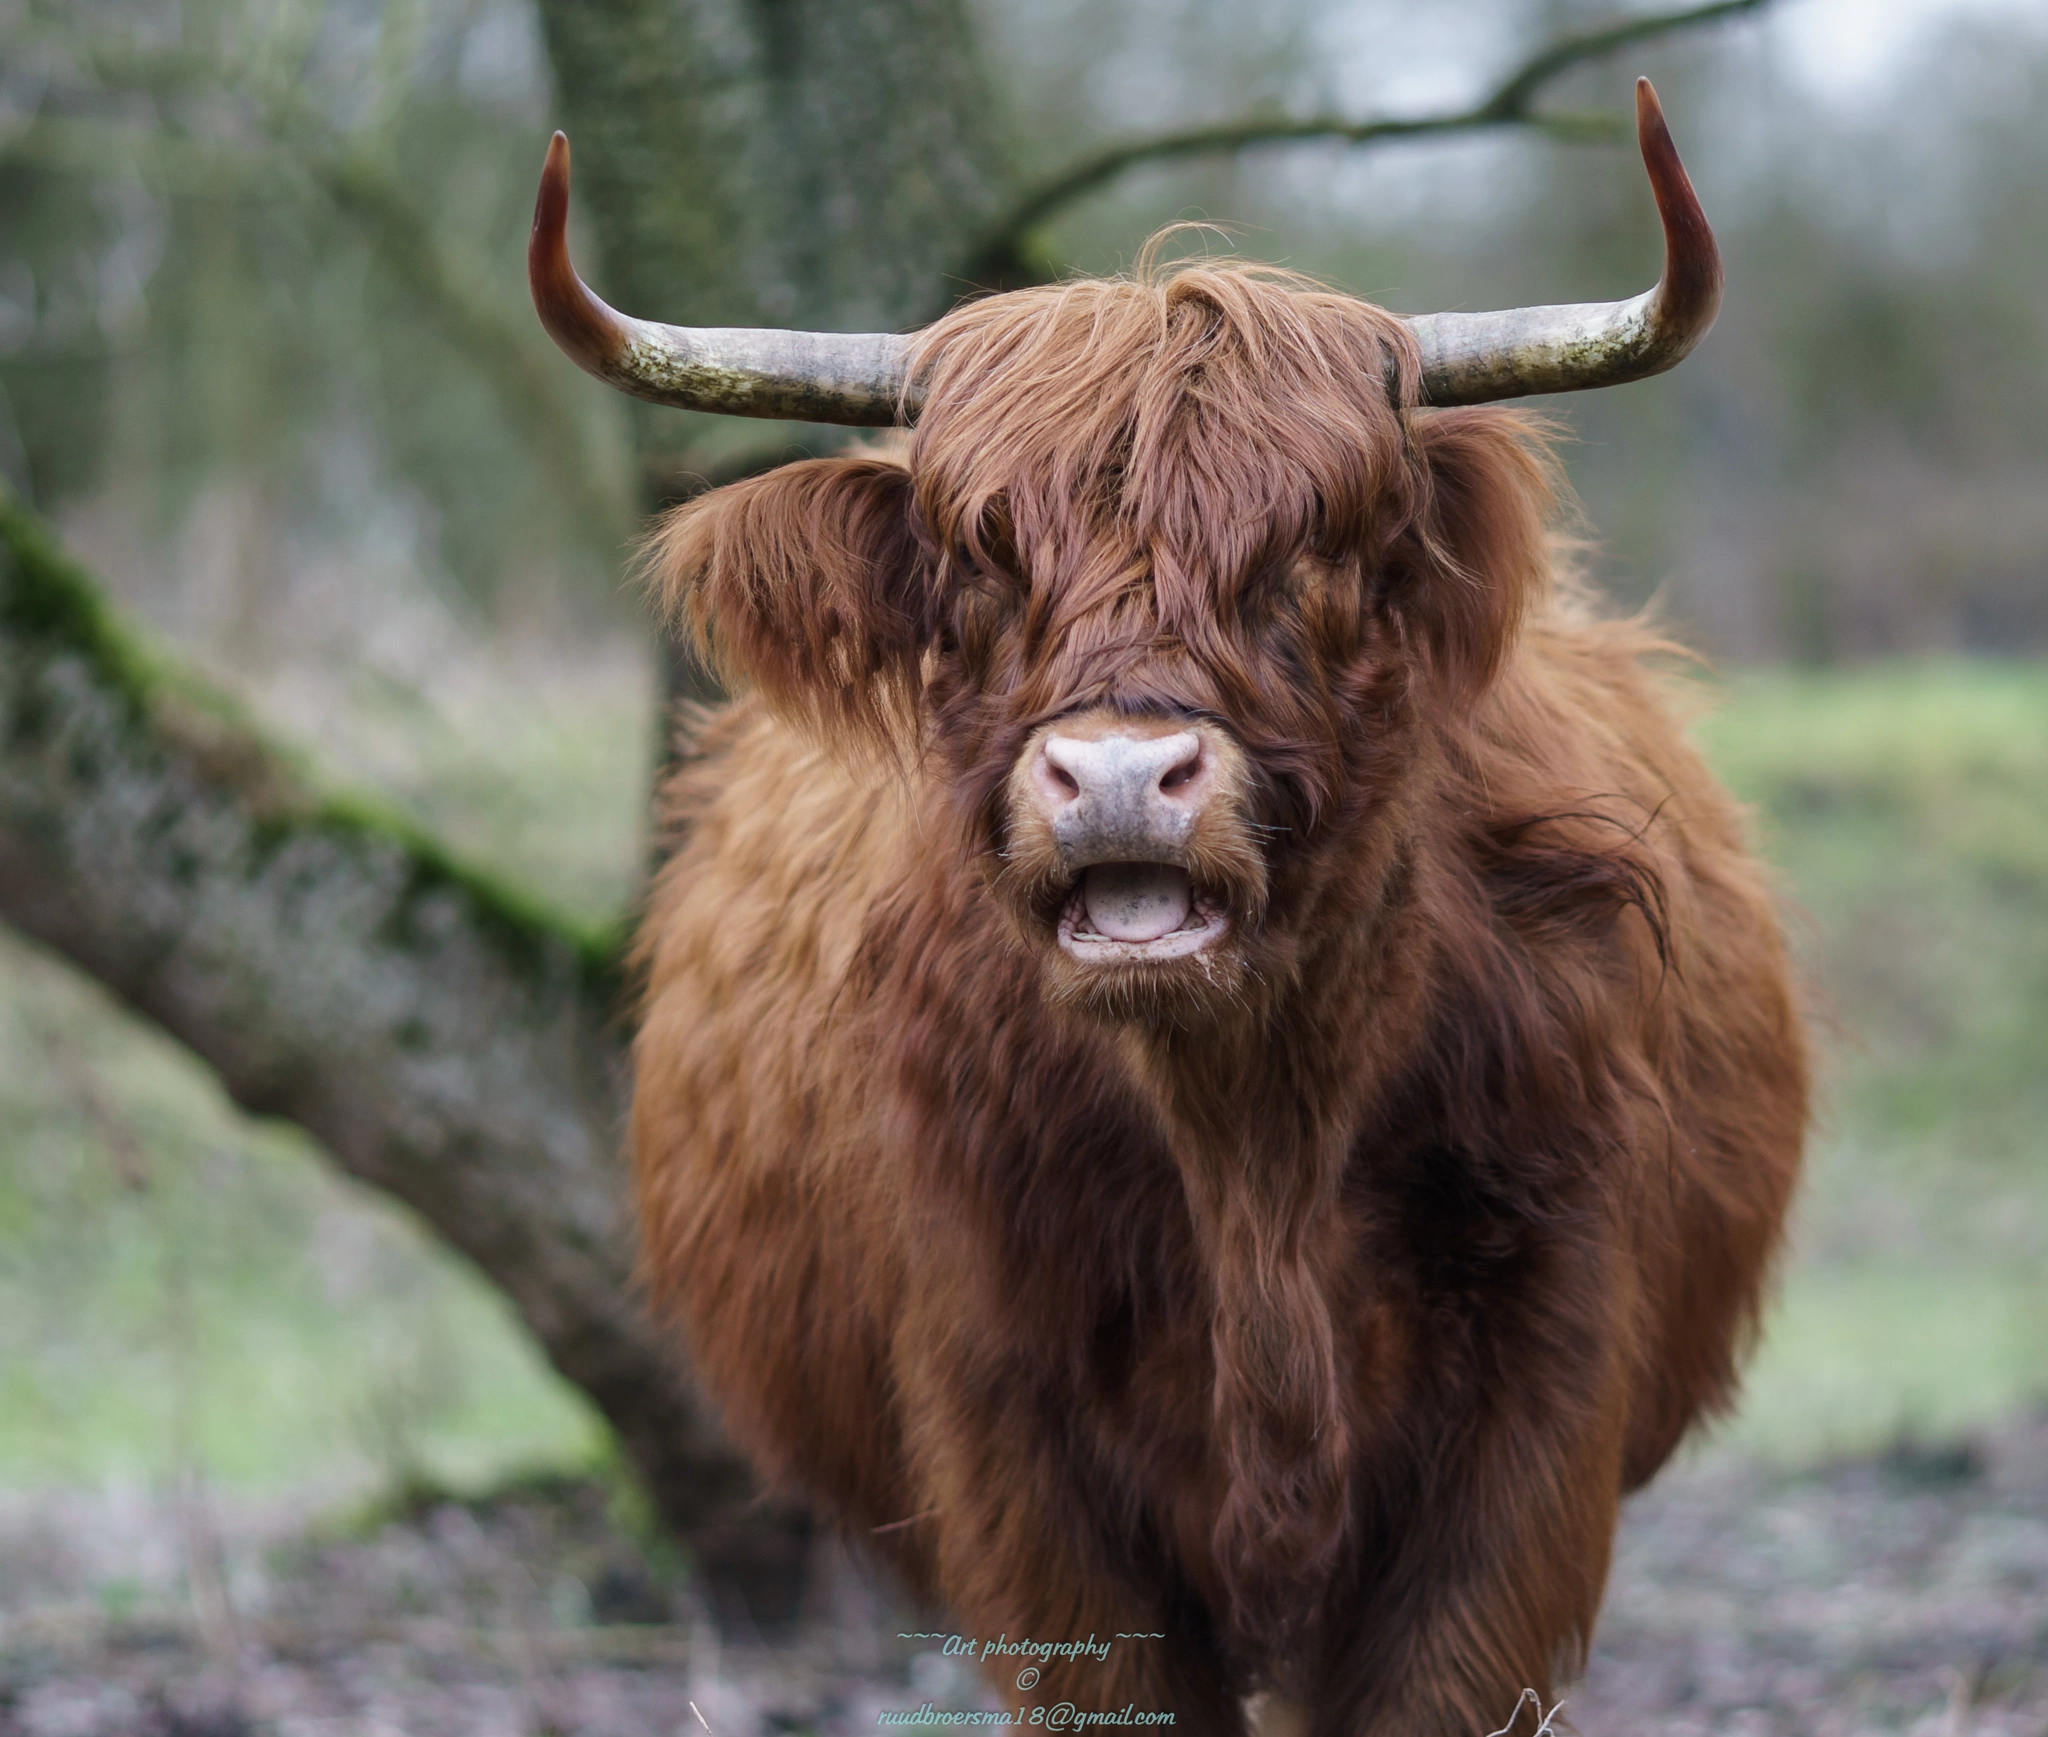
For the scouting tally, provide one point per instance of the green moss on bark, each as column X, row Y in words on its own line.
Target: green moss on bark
column 50, row 608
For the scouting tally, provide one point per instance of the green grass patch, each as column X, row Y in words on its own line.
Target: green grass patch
column 182, row 1287
column 1906, row 805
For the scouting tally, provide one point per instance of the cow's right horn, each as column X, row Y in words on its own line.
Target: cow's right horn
column 1477, row 358
column 856, row 378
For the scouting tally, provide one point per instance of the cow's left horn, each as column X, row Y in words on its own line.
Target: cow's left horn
column 857, row 378
column 1476, row 358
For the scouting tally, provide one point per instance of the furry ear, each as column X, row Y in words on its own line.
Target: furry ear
column 1476, row 554
column 808, row 583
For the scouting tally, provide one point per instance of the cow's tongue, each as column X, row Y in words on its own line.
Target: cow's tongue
column 1136, row 901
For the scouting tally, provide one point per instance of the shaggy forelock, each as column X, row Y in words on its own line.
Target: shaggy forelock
column 1190, row 430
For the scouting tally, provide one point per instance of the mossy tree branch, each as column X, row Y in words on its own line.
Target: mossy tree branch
column 444, row 1038
column 997, row 261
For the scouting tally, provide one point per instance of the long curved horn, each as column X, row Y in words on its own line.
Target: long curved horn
column 857, row 378
column 1476, row 358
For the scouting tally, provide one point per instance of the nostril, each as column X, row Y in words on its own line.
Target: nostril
column 1055, row 779
column 1182, row 774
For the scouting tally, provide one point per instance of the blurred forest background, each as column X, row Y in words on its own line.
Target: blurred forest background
column 267, row 365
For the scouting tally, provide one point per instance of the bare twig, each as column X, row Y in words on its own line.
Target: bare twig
column 1511, row 103
column 213, row 1608
column 1546, row 1721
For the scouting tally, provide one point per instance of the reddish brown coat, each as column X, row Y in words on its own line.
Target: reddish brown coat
column 1314, row 1308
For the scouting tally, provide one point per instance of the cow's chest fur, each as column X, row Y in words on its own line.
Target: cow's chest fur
column 1095, row 1381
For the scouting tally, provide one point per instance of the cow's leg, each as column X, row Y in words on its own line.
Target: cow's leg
column 1028, row 1551
column 1490, row 1578
column 1466, row 1638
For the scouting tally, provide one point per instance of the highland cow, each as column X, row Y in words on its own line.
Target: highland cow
column 1216, row 1076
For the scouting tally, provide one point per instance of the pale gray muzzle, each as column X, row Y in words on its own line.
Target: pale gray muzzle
column 1123, row 798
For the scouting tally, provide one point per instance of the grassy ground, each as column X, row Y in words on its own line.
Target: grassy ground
column 1907, row 806
column 180, row 1288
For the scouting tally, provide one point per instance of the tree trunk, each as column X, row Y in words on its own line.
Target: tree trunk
column 811, row 163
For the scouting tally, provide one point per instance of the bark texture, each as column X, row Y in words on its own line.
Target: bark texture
column 776, row 162
column 806, row 163
column 445, row 1041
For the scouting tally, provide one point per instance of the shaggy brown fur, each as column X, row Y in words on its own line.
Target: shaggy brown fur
column 1313, row 1304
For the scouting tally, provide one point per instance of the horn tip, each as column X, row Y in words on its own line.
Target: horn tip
column 1692, row 268
column 551, row 204
column 1653, row 133
column 581, row 324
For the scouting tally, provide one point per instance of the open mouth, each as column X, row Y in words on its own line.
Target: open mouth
column 1138, row 911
